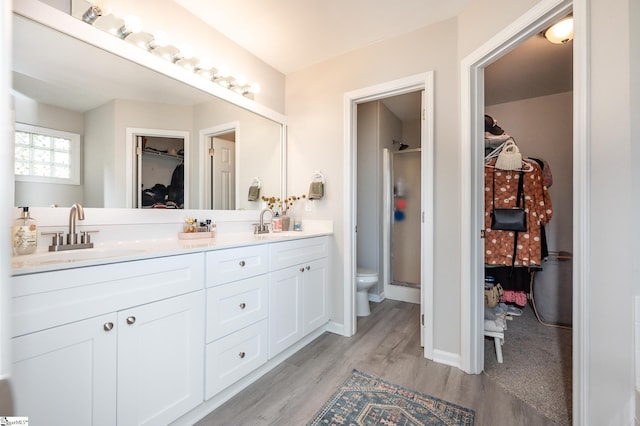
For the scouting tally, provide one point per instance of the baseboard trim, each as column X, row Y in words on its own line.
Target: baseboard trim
column 447, row 358
column 337, row 328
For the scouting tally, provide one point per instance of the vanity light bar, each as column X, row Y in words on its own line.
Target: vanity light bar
column 181, row 57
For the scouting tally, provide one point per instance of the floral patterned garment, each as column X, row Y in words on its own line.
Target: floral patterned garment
column 498, row 245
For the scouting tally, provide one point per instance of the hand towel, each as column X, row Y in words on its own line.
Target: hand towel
column 254, row 192
column 316, row 190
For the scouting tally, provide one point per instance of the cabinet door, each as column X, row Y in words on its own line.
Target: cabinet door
column 285, row 304
column 315, row 295
column 160, row 360
column 67, row 375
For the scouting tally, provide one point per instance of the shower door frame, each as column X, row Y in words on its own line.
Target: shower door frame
column 390, row 219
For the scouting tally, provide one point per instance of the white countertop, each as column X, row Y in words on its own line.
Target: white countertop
column 105, row 253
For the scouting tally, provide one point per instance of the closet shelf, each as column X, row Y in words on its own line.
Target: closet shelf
column 163, row 154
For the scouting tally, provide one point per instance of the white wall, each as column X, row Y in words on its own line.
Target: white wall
column 543, row 128
column 368, row 238
column 316, row 141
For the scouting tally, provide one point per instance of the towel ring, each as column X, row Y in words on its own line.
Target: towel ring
column 316, row 176
column 257, row 182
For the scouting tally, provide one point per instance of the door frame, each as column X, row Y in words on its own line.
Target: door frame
column 472, row 131
column 205, row 171
column 131, row 159
column 423, row 81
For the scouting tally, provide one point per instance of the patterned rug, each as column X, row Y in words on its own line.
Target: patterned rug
column 369, row 400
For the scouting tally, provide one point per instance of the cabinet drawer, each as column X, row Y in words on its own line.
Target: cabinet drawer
column 229, row 265
column 50, row 299
column 289, row 253
column 236, row 305
column 233, row 357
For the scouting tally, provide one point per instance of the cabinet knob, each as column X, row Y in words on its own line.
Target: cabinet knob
column 108, row 326
column 307, row 267
column 243, row 305
column 301, row 269
column 131, row 320
column 242, row 263
column 241, row 354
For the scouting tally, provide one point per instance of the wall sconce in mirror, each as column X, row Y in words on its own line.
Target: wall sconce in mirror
column 561, row 32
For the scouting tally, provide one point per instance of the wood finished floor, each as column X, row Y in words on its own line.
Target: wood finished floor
column 387, row 345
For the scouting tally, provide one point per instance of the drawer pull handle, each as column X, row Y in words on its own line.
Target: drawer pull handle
column 243, row 305
column 301, row 269
column 108, row 326
column 242, row 263
column 131, row 320
column 241, row 354
column 307, row 268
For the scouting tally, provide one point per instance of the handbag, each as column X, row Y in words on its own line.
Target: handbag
column 511, row 219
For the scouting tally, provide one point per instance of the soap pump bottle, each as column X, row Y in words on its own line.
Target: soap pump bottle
column 25, row 233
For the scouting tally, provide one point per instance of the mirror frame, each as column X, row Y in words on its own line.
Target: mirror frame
column 73, row 27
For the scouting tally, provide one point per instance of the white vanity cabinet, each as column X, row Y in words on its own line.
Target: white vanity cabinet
column 237, row 310
column 110, row 344
column 298, row 290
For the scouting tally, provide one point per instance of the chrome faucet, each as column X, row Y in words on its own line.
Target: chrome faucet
column 57, row 242
column 72, row 236
column 262, row 228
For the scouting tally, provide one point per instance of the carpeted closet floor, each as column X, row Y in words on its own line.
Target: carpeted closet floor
column 537, row 365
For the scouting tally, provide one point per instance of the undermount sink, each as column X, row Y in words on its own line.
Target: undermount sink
column 51, row 257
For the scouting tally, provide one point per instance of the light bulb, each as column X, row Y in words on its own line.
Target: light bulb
column 186, row 51
column 241, row 80
column 255, row 88
column 561, row 32
column 160, row 39
column 132, row 24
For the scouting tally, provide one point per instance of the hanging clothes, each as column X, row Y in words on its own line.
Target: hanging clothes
column 499, row 248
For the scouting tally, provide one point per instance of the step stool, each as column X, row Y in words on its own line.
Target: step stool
column 498, row 340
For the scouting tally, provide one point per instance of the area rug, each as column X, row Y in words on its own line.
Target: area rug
column 368, row 400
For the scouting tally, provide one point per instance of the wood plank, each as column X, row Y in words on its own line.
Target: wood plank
column 387, row 345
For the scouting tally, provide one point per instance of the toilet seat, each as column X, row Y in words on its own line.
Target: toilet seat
column 364, row 272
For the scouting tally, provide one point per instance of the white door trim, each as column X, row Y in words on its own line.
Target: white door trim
column 424, row 82
column 472, row 131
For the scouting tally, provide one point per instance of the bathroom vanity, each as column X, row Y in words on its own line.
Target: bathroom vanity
column 163, row 332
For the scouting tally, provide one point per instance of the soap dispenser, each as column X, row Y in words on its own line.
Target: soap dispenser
column 25, row 233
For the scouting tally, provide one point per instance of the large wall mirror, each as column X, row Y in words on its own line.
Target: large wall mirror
column 120, row 108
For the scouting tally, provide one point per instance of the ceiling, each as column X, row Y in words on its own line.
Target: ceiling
column 291, row 35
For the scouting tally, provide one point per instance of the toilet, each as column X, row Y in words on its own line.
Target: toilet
column 365, row 279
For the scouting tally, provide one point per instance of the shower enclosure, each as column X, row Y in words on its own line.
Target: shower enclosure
column 403, row 204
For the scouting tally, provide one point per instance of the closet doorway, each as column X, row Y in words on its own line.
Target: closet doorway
column 537, row 115
column 158, row 165
column 472, row 71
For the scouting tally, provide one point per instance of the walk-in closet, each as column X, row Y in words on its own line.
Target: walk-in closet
column 528, row 193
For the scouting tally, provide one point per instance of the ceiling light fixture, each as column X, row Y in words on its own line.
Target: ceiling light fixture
column 561, row 32
column 158, row 43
